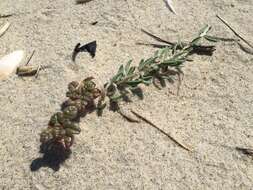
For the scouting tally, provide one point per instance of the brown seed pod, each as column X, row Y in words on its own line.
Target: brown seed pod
column 69, row 102
column 60, row 117
column 52, row 133
column 70, row 112
column 58, row 132
column 73, row 95
column 70, row 132
column 73, row 85
column 81, row 105
column 73, row 126
column 68, row 141
column 88, row 79
column 89, row 85
column 45, row 136
column 111, row 90
column 87, row 96
column 54, row 120
column 96, row 93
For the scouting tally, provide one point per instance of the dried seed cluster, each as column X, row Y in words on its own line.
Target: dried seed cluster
column 64, row 125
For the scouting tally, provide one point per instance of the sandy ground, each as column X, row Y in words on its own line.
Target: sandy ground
column 213, row 112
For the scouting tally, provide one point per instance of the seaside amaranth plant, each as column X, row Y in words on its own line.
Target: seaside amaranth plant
column 162, row 66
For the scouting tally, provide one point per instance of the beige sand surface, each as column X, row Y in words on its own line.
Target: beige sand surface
column 213, row 112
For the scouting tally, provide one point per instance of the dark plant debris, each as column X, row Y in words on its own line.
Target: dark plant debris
column 90, row 48
column 94, row 23
column 30, row 58
column 6, row 15
column 26, row 70
column 246, row 151
column 82, row 1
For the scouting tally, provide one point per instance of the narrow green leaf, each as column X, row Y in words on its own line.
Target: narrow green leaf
column 164, row 53
column 182, row 54
column 117, row 77
column 141, row 64
column 156, row 53
column 150, row 60
column 127, row 67
column 195, row 41
column 147, row 77
column 121, row 70
column 147, row 80
column 115, row 98
column 134, row 82
column 147, row 62
column 131, row 70
column 173, row 63
column 212, row 38
column 204, row 31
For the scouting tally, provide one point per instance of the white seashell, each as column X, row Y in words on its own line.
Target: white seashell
column 4, row 28
column 10, row 62
column 170, row 5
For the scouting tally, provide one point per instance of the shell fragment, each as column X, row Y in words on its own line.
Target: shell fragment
column 9, row 63
column 170, row 6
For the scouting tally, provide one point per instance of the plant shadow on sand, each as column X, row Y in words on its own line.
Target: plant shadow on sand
column 53, row 157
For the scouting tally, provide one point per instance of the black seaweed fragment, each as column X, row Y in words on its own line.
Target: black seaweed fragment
column 89, row 47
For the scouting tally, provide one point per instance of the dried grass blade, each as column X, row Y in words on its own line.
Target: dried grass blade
column 245, row 49
column 238, row 35
column 156, row 37
column 160, row 130
column 4, row 28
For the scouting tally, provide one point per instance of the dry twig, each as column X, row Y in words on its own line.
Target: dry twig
column 245, row 49
column 238, row 35
column 4, row 28
column 127, row 117
column 160, row 130
column 28, row 61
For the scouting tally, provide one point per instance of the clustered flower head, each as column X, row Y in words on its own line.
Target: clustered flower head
column 64, row 125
